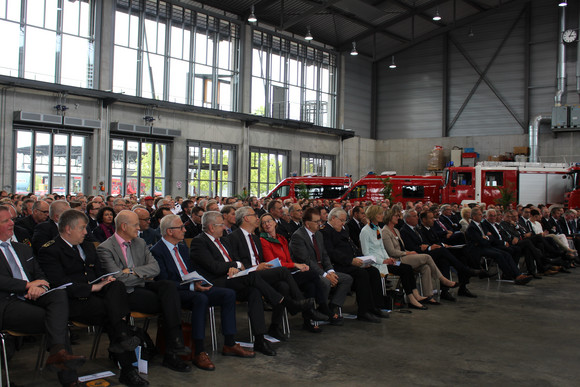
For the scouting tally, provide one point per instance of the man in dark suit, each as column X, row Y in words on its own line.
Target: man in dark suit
column 275, row 209
column 448, row 219
column 295, row 212
column 247, row 248
column 229, row 214
column 48, row 230
column 496, row 237
column 22, row 283
column 149, row 235
column 192, row 221
column 40, row 211
column 174, row 263
column 255, row 204
column 127, row 255
column 93, row 208
column 479, row 245
column 213, row 258
column 343, row 254
column 356, row 224
column 307, row 246
column 456, row 257
column 567, row 222
column 70, row 259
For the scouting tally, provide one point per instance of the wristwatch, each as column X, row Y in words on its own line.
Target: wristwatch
column 131, row 271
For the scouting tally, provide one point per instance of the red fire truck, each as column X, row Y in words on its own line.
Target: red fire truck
column 311, row 187
column 572, row 198
column 531, row 182
column 404, row 188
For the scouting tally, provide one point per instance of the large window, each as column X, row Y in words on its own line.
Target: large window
column 48, row 40
column 48, row 162
column 292, row 80
column 267, row 168
column 317, row 164
column 138, row 167
column 171, row 53
column 211, row 169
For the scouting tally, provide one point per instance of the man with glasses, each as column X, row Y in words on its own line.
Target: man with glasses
column 307, row 246
column 275, row 209
column 214, row 259
column 149, row 235
column 295, row 212
column 174, row 264
column 39, row 215
column 127, row 255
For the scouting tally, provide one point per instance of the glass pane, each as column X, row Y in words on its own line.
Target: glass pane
column 131, row 188
column 160, row 160
column 70, row 20
column 23, row 183
column 146, row 159
column 76, row 184
column 225, row 57
column 125, row 71
column 259, row 96
column 23, row 151
column 132, row 167
column 178, row 81
column 13, row 10
column 225, row 96
column 159, row 186
column 60, row 153
column 40, row 55
column 76, row 163
column 145, row 187
column 50, row 15
column 10, row 33
column 85, row 22
column 35, row 14
column 41, row 183
column 121, row 28
column 153, row 68
column 76, row 60
column 58, row 183
column 42, row 152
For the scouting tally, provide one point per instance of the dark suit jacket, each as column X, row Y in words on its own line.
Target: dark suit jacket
column 9, row 284
column 282, row 229
column 208, row 259
column 191, row 229
column 411, row 240
column 430, row 236
column 167, row 268
column 28, row 223
column 450, row 223
column 475, row 238
column 354, row 231
column 545, row 223
column 151, row 236
column 44, row 232
column 291, row 227
column 92, row 223
column 62, row 265
column 562, row 222
column 22, row 235
column 302, row 251
column 233, row 228
column 339, row 247
column 239, row 247
column 554, row 226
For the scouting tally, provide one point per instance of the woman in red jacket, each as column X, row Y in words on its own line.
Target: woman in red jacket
column 276, row 246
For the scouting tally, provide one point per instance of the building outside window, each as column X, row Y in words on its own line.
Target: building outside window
column 172, row 53
column 267, row 168
column 138, row 166
column 292, row 80
column 318, row 164
column 211, row 169
column 48, row 40
column 49, row 162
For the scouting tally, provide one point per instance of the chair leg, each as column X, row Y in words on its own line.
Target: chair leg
column 420, row 282
column 41, row 353
column 250, row 327
column 286, row 323
column 212, row 328
column 96, row 340
column 5, row 362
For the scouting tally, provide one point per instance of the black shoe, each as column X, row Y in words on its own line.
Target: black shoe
column 379, row 313
column 308, row 326
column 126, row 345
column 315, row 315
column 277, row 333
column 178, row 347
column 464, row 292
column 336, row 321
column 368, row 318
column 173, row 362
column 130, row 377
column 536, row 276
column 445, row 295
column 422, row 307
column 295, row 307
column 264, row 347
column 522, row 280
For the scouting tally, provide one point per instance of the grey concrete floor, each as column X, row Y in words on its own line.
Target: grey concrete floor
column 509, row 336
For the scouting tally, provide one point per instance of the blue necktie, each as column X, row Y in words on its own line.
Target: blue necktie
column 11, row 261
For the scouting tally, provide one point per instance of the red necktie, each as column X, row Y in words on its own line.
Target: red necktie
column 255, row 249
column 441, row 225
column 223, row 249
column 317, row 250
column 180, row 261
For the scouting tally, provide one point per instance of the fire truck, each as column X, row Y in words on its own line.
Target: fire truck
column 403, row 188
column 534, row 183
column 572, row 198
column 310, row 187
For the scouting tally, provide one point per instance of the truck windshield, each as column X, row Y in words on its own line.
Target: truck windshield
column 281, row 192
column 358, row 192
column 326, row 191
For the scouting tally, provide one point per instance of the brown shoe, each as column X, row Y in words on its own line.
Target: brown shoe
column 203, row 361
column 237, row 350
column 62, row 359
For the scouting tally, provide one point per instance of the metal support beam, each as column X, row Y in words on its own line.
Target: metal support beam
column 445, row 93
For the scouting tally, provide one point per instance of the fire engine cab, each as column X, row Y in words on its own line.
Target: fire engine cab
column 572, row 198
column 531, row 182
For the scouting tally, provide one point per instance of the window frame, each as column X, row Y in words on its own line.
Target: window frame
column 232, row 173
column 270, row 185
column 318, row 157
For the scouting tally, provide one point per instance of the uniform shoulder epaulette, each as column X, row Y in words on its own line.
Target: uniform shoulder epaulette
column 49, row 243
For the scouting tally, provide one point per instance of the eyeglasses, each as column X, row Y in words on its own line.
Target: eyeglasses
column 218, row 224
column 267, row 221
column 177, row 227
column 256, row 215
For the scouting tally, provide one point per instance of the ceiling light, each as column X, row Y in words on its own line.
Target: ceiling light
column 308, row 36
column 437, row 17
column 252, row 18
column 354, row 52
column 393, row 65
column 562, row 3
